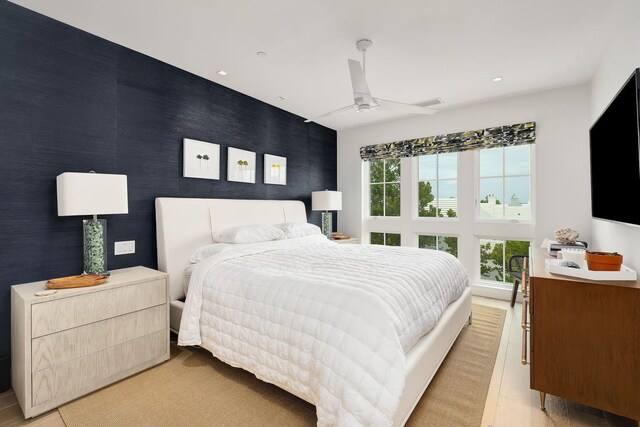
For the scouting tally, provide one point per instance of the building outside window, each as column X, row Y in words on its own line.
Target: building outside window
column 438, row 185
column 505, row 183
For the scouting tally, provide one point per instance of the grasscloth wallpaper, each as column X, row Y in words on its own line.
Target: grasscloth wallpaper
column 73, row 102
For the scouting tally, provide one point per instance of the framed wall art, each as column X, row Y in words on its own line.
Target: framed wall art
column 200, row 159
column 241, row 165
column 275, row 169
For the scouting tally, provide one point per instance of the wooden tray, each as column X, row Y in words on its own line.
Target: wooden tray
column 341, row 237
column 76, row 281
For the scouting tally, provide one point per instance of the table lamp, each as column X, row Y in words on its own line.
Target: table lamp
column 92, row 194
column 326, row 201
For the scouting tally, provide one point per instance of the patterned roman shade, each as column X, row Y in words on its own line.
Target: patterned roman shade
column 501, row 136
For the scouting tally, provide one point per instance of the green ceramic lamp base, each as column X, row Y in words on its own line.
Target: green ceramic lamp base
column 95, row 246
column 327, row 224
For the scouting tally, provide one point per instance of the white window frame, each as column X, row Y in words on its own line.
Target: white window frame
column 367, row 177
column 438, row 236
column 417, row 180
column 384, row 233
column 466, row 226
column 493, row 283
column 532, row 192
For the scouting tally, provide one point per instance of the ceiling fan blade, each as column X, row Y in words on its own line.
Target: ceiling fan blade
column 339, row 110
column 359, row 82
column 400, row 107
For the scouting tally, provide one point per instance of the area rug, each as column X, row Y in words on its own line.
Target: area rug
column 195, row 389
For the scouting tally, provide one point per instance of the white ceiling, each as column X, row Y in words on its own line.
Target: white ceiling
column 422, row 48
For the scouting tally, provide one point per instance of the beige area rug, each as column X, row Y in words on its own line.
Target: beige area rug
column 195, row 389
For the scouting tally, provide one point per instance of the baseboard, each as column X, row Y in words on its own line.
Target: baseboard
column 5, row 371
column 491, row 291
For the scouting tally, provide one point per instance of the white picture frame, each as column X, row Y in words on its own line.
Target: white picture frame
column 275, row 170
column 200, row 159
column 241, row 166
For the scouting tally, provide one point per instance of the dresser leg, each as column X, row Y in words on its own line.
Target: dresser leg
column 542, row 398
column 470, row 318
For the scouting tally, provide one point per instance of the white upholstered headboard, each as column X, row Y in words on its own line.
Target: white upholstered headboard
column 184, row 225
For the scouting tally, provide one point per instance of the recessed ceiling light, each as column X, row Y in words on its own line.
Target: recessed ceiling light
column 261, row 53
column 497, row 79
column 281, row 98
column 222, row 72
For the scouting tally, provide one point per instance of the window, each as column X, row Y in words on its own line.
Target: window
column 384, row 187
column 388, row 239
column 438, row 185
column 440, row 243
column 454, row 201
column 505, row 183
column 494, row 257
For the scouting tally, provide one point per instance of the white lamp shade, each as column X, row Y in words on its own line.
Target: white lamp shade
column 91, row 194
column 326, row 200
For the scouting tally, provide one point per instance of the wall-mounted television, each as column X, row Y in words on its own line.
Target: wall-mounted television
column 615, row 156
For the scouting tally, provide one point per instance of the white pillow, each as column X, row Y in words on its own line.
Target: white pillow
column 298, row 229
column 249, row 234
column 207, row 251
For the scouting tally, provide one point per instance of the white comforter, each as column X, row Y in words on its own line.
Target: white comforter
column 330, row 323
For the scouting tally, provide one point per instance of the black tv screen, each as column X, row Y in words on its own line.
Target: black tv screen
column 615, row 157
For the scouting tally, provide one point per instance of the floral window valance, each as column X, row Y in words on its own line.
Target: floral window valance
column 501, row 136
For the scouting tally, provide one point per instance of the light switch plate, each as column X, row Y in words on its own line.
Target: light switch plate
column 124, row 248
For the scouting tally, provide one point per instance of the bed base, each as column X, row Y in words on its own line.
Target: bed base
column 423, row 360
column 183, row 225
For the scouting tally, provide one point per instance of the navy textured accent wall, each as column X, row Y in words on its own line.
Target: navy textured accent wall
column 71, row 101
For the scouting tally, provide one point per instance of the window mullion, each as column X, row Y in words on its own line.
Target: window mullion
column 437, row 195
column 504, row 187
column 384, row 187
column 504, row 262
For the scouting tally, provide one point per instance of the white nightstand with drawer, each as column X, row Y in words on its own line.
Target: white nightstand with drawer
column 78, row 340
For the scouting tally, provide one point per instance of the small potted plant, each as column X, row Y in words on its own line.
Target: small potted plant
column 603, row 261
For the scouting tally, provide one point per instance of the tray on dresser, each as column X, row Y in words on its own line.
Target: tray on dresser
column 554, row 266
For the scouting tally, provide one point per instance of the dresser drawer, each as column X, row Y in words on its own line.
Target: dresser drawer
column 66, row 313
column 61, row 347
column 76, row 377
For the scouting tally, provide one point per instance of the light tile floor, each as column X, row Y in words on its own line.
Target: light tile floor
column 510, row 401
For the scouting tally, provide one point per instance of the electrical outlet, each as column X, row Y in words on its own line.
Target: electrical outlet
column 124, row 248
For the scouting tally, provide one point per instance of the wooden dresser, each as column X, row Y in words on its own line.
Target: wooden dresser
column 585, row 339
column 77, row 340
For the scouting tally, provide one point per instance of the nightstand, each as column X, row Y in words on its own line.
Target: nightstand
column 78, row 340
column 352, row 241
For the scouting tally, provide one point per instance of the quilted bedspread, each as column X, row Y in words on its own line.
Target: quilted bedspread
column 330, row 323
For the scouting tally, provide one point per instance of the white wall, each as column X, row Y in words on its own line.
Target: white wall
column 561, row 181
column 621, row 57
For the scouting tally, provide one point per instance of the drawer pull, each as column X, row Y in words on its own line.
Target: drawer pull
column 525, row 328
column 525, row 358
column 523, row 279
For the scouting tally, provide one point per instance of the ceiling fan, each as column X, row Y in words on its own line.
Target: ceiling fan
column 363, row 101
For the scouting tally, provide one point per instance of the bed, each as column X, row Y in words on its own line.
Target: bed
column 185, row 224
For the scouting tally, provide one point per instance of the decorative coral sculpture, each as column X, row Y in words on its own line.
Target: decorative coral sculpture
column 566, row 236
